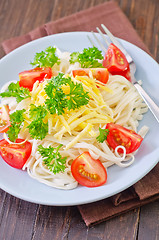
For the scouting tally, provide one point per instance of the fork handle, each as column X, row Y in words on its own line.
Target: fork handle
column 150, row 103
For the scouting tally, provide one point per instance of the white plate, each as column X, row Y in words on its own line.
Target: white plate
column 19, row 184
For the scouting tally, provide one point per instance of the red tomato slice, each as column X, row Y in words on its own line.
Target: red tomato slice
column 88, row 171
column 116, row 62
column 126, row 74
column 4, row 118
column 15, row 155
column 119, row 135
column 101, row 74
column 28, row 78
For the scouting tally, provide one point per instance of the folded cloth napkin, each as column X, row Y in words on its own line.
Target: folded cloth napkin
column 108, row 13
column 87, row 20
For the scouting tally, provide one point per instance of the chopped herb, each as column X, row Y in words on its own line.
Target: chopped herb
column 58, row 101
column 16, row 120
column 38, row 129
column 52, row 158
column 14, row 90
column 103, row 133
column 74, row 57
column 46, row 58
column 39, row 112
column 76, row 97
column 88, row 58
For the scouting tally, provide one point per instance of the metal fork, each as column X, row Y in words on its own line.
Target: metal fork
column 150, row 103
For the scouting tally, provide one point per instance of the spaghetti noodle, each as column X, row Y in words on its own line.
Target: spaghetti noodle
column 117, row 101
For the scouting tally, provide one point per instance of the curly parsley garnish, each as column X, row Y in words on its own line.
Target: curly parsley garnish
column 14, row 90
column 16, row 120
column 103, row 133
column 38, row 129
column 58, row 101
column 46, row 58
column 52, row 158
column 88, row 58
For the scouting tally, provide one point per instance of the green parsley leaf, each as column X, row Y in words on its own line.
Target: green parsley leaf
column 52, row 158
column 16, row 120
column 58, row 101
column 77, row 96
column 14, row 90
column 46, row 58
column 103, row 133
column 74, row 57
column 37, row 128
column 39, row 112
column 88, row 58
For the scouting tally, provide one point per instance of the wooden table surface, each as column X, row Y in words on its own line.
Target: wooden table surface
column 20, row 220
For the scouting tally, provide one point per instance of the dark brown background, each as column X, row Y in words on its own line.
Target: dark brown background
column 21, row 220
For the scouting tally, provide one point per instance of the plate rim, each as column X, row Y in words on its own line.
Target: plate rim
column 80, row 202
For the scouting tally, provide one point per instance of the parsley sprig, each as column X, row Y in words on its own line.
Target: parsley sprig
column 58, row 101
column 46, row 58
column 88, row 58
column 14, row 90
column 38, row 129
column 16, row 120
column 103, row 133
column 52, row 158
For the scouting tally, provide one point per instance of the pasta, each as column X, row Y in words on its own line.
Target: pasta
column 117, row 101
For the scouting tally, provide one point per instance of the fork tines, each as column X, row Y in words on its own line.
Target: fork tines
column 112, row 39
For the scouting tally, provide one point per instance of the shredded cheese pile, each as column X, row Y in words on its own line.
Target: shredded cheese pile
column 83, row 121
column 117, row 101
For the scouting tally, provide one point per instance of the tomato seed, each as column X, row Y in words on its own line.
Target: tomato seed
column 87, row 174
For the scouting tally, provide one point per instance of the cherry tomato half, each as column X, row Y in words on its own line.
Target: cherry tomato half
column 28, row 78
column 101, row 74
column 88, row 171
column 4, row 118
column 116, row 62
column 119, row 135
column 15, row 155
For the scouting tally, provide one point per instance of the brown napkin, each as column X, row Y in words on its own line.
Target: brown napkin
column 108, row 13
column 147, row 189
column 141, row 193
